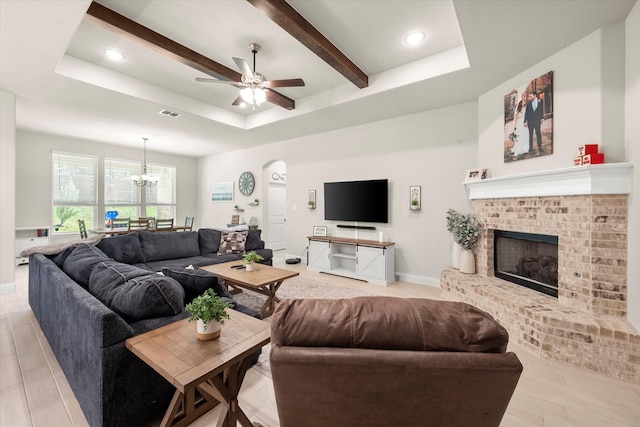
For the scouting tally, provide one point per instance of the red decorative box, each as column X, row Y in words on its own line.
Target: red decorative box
column 577, row 161
column 593, row 159
column 587, row 149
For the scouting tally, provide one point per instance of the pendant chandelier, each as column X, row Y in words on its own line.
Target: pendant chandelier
column 144, row 180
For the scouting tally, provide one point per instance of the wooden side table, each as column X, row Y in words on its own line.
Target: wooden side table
column 204, row 373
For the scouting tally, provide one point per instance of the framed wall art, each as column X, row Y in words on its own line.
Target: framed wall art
column 222, row 192
column 311, row 204
column 319, row 231
column 414, row 197
column 528, row 120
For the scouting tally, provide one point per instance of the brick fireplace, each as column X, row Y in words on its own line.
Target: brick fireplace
column 586, row 208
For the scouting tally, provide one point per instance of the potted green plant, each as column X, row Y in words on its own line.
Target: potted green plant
column 453, row 222
column 312, row 204
column 466, row 233
column 209, row 311
column 249, row 258
column 414, row 205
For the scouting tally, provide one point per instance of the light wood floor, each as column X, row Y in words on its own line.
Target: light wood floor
column 34, row 391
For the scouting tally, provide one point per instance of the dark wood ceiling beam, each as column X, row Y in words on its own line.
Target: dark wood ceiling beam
column 119, row 24
column 283, row 14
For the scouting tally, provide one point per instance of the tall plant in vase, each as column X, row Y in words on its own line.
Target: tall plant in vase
column 466, row 233
column 453, row 222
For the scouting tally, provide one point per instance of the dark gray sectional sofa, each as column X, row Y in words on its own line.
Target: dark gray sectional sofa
column 89, row 299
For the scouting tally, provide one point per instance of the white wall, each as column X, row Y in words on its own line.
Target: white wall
column 632, row 139
column 33, row 173
column 588, row 79
column 7, row 190
column 432, row 149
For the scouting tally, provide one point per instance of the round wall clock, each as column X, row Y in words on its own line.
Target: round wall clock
column 246, row 183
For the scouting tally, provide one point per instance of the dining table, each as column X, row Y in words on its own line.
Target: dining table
column 122, row 230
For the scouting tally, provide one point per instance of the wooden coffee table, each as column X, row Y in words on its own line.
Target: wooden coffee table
column 264, row 279
column 204, row 373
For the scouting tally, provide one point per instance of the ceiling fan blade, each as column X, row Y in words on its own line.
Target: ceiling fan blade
column 280, row 100
column 229, row 82
column 284, row 83
column 200, row 79
column 244, row 67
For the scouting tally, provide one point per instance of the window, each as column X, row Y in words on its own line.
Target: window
column 74, row 191
column 160, row 200
column 120, row 193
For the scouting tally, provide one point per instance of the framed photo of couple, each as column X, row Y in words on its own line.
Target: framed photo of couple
column 528, row 120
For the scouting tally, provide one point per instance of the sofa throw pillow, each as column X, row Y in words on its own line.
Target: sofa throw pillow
column 195, row 282
column 254, row 241
column 81, row 262
column 232, row 243
column 125, row 248
column 209, row 240
column 134, row 292
column 62, row 257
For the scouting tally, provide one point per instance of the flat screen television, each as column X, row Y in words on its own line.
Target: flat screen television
column 363, row 201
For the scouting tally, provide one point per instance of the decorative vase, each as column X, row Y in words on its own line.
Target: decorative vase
column 207, row 331
column 455, row 255
column 249, row 267
column 467, row 262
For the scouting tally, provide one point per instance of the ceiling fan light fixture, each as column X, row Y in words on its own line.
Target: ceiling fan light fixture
column 260, row 95
column 253, row 95
column 414, row 38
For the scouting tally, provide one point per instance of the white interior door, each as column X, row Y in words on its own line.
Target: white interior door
column 276, row 216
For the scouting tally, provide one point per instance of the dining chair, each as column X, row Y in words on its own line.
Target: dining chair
column 120, row 224
column 152, row 221
column 83, row 229
column 164, row 225
column 188, row 223
column 140, row 224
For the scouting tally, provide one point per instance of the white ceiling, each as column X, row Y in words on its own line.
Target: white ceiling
column 53, row 61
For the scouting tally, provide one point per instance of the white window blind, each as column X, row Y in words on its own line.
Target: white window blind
column 74, row 179
column 164, row 193
column 74, row 192
column 161, row 199
column 119, row 189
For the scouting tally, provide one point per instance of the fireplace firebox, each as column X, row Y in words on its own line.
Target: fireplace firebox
column 527, row 259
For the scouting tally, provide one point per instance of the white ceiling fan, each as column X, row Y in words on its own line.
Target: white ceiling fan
column 255, row 88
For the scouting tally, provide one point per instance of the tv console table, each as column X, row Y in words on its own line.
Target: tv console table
column 366, row 260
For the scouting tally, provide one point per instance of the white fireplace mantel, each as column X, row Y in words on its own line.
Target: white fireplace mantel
column 606, row 178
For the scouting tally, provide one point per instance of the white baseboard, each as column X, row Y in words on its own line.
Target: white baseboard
column 420, row 280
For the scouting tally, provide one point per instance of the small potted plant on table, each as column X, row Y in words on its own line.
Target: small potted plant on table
column 209, row 311
column 249, row 258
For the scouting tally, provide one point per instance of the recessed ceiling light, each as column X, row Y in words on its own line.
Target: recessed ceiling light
column 113, row 54
column 414, row 38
